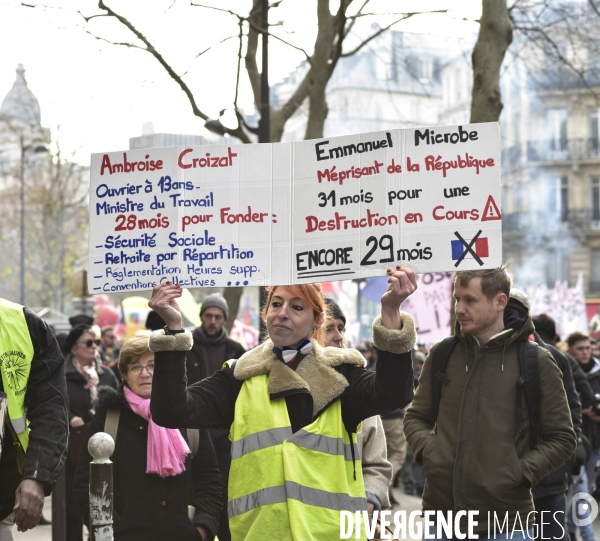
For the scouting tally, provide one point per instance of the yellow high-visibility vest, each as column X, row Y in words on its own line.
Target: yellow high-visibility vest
column 16, row 354
column 284, row 486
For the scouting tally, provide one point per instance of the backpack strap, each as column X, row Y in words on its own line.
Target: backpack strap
column 193, row 435
column 111, row 423
column 529, row 385
column 440, row 360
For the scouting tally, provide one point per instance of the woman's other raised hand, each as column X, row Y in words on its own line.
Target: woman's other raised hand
column 402, row 283
column 164, row 302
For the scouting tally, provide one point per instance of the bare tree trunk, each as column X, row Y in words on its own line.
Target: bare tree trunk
column 320, row 73
column 328, row 49
column 495, row 35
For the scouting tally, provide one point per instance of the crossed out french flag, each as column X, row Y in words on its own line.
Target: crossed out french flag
column 481, row 248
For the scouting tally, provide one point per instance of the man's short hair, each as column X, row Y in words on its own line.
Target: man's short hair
column 593, row 340
column 493, row 281
column 577, row 336
column 544, row 324
column 107, row 329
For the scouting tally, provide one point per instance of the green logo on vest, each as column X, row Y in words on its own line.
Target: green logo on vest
column 14, row 365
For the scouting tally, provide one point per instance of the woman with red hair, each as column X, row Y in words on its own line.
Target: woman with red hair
column 293, row 408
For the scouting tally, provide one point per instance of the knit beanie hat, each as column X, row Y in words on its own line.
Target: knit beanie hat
column 73, row 336
column 216, row 301
column 334, row 311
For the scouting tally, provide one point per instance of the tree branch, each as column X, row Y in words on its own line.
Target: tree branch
column 262, row 31
column 120, row 43
column 150, row 48
column 239, row 65
column 251, row 50
column 354, row 17
column 385, row 28
column 205, row 51
column 218, row 9
column 238, row 132
column 45, row 6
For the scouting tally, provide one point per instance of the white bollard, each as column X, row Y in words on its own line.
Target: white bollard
column 101, row 446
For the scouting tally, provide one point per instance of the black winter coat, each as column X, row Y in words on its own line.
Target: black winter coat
column 146, row 506
column 47, row 413
column 80, row 403
column 586, row 395
column 210, row 403
column 556, row 482
column 203, row 360
column 591, row 429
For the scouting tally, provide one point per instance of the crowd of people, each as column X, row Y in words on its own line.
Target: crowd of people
column 502, row 417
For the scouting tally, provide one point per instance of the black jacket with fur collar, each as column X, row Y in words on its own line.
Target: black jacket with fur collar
column 324, row 376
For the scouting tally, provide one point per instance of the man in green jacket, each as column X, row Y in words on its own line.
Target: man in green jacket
column 471, row 449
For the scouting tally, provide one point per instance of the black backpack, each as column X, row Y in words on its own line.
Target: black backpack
column 528, row 384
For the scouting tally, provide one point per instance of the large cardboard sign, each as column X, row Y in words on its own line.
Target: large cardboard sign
column 330, row 209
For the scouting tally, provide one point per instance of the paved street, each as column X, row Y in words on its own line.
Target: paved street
column 408, row 503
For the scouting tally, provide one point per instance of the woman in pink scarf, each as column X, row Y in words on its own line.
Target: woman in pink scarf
column 155, row 476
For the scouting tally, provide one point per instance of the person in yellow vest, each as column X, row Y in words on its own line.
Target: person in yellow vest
column 33, row 417
column 292, row 406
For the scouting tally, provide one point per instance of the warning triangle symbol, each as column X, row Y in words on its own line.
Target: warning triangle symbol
column 491, row 211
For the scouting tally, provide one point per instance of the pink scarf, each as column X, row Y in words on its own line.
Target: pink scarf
column 166, row 447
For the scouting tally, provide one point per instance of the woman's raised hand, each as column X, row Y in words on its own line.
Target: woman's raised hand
column 164, row 302
column 402, row 283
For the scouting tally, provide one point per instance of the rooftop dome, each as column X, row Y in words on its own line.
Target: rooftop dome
column 20, row 105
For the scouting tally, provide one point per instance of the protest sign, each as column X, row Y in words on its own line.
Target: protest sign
column 330, row 209
column 563, row 304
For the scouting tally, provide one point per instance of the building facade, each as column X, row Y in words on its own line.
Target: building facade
column 551, row 169
column 393, row 82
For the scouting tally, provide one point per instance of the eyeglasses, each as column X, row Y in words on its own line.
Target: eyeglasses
column 137, row 369
column 90, row 343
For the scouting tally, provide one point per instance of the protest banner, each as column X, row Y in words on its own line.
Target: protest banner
column 564, row 304
column 330, row 209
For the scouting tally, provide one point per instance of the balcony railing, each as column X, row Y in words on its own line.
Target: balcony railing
column 541, row 221
column 555, row 150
